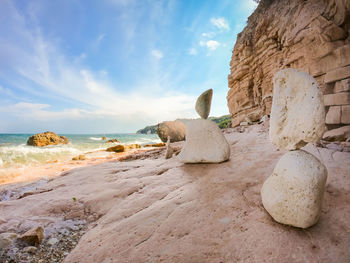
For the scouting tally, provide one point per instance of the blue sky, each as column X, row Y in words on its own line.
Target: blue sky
column 83, row 66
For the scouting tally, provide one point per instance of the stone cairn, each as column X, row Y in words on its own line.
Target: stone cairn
column 205, row 142
column 293, row 194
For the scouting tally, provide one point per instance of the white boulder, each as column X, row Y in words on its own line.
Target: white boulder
column 204, row 143
column 293, row 194
column 297, row 113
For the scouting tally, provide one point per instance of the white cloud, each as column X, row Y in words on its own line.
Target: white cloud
column 208, row 35
column 157, row 54
column 210, row 44
column 37, row 111
column 220, row 23
column 39, row 68
column 192, row 51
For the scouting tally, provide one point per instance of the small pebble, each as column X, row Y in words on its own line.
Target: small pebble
column 52, row 241
column 30, row 249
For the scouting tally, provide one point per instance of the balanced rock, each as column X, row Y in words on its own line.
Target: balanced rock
column 46, row 138
column 293, row 194
column 175, row 129
column 205, row 143
column 297, row 113
column 203, row 103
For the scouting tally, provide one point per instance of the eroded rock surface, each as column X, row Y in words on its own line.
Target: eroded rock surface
column 293, row 194
column 297, row 114
column 157, row 210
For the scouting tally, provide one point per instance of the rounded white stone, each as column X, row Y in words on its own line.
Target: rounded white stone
column 297, row 113
column 293, row 194
column 204, row 143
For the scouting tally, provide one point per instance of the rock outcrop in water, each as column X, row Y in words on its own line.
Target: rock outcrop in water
column 312, row 36
column 46, row 138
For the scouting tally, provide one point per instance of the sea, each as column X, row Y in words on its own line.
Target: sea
column 14, row 153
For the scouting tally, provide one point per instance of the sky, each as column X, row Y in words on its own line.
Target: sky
column 113, row 66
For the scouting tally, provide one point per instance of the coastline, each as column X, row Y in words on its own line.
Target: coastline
column 52, row 169
column 147, row 208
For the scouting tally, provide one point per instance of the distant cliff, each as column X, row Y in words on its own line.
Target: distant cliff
column 148, row 130
column 312, row 36
column 222, row 121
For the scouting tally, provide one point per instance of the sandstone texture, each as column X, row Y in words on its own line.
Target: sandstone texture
column 203, row 104
column 340, row 134
column 175, row 129
column 293, row 194
column 297, row 114
column 155, row 210
column 311, row 36
column 33, row 237
column 204, row 143
column 46, row 138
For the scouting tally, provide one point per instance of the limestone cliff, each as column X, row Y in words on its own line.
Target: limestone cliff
column 313, row 36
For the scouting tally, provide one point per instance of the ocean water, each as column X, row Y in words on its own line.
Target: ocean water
column 14, row 153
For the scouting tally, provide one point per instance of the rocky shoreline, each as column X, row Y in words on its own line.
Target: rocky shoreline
column 146, row 208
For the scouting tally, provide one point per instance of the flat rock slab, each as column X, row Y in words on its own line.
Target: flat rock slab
column 157, row 210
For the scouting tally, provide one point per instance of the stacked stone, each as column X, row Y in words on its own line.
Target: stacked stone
column 293, row 194
column 205, row 142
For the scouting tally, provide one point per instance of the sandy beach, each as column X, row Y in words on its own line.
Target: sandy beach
column 148, row 209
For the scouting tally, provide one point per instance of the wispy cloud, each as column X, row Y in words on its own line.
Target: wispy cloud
column 209, row 35
column 47, row 72
column 210, row 44
column 220, row 23
column 100, row 38
column 157, row 54
column 193, row 51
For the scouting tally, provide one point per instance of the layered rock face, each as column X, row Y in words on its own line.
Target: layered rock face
column 312, row 36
